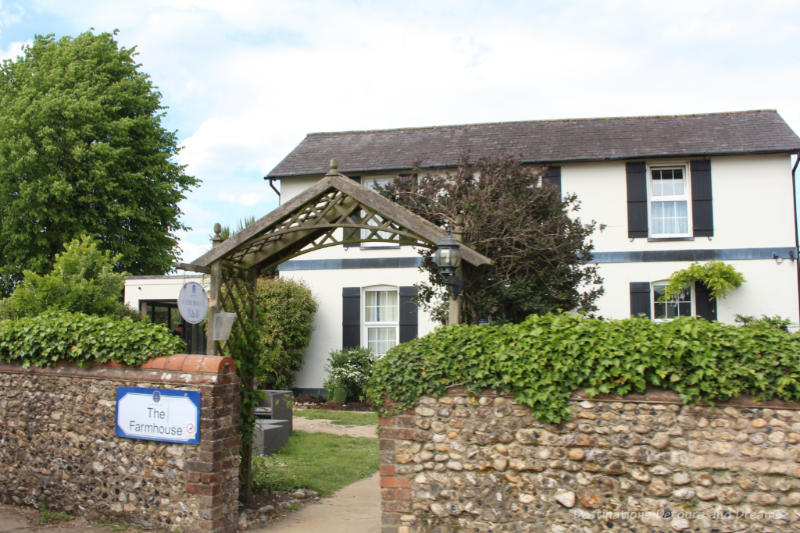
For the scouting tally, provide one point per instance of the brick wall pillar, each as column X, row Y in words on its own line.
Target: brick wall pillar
column 213, row 475
column 396, row 470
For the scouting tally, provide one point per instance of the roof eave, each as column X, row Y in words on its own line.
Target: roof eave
column 389, row 170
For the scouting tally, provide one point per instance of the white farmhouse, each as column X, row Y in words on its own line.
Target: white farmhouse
column 670, row 190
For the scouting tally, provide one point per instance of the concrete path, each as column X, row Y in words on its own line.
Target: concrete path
column 355, row 508
column 311, row 425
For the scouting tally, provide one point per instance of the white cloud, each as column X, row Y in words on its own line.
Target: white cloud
column 245, row 80
column 13, row 50
column 247, row 199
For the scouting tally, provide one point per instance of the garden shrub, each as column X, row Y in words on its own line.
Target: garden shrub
column 349, row 370
column 80, row 338
column 282, row 330
column 82, row 281
column 544, row 359
column 775, row 321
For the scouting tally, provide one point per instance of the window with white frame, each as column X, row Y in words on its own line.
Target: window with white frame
column 679, row 305
column 381, row 318
column 669, row 202
column 371, row 184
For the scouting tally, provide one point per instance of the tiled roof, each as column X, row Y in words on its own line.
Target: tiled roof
column 544, row 141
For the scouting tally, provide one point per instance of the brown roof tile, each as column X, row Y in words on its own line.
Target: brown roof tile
column 543, row 141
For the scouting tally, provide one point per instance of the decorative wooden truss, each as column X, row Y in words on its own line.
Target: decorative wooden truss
column 306, row 223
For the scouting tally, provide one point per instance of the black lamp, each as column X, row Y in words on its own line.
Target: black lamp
column 447, row 258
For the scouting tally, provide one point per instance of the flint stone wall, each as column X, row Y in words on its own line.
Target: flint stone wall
column 58, row 445
column 641, row 463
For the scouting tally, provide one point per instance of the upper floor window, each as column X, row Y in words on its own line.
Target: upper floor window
column 381, row 318
column 669, row 202
column 372, row 183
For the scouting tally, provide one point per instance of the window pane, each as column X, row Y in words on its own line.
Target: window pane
column 380, row 306
column 670, row 217
column 379, row 340
column 667, row 182
column 679, row 305
column 371, row 310
column 161, row 314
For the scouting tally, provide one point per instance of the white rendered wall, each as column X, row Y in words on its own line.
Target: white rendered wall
column 142, row 288
column 770, row 288
column 752, row 203
column 752, row 208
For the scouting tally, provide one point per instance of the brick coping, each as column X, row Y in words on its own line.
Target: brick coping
column 177, row 368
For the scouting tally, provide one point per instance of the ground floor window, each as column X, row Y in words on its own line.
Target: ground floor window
column 381, row 318
column 679, row 305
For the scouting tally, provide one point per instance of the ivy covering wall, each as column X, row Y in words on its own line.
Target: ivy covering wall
column 544, row 359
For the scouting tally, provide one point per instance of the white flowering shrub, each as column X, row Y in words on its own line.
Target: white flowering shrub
column 349, row 370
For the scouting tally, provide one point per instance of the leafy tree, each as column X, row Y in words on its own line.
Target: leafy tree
column 82, row 281
column 83, row 151
column 529, row 230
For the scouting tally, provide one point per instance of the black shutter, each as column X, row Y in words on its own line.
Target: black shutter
column 704, row 305
column 408, row 314
column 702, row 212
column 640, row 298
column 352, row 233
column 553, row 178
column 351, row 317
column 637, row 199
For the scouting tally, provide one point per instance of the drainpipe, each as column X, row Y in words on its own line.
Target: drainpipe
column 272, row 184
column 796, row 237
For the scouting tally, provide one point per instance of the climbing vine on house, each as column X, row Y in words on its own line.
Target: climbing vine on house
column 720, row 278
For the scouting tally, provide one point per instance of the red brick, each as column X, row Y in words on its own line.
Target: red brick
column 387, row 470
column 395, row 482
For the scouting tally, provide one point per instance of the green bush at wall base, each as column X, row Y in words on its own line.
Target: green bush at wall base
column 80, row 338
column 348, row 372
column 544, row 359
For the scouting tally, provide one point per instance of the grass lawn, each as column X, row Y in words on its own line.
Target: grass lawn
column 317, row 461
column 342, row 418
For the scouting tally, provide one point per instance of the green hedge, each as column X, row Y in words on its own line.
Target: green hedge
column 544, row 359
column 76, row 337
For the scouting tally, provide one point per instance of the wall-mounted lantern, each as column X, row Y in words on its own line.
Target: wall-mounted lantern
column 448, row 259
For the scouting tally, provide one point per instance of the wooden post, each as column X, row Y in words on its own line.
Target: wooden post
column 213, row 297
column 454, row 311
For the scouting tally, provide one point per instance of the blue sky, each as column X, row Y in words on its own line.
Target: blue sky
column 245, row 80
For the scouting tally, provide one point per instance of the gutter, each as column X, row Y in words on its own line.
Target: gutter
column 796, row 236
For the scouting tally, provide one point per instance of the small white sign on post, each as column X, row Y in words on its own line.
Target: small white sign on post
column 193, row 302
column 158, row 414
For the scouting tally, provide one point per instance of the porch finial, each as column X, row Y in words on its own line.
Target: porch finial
column 217, row 238
column 334, row 170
